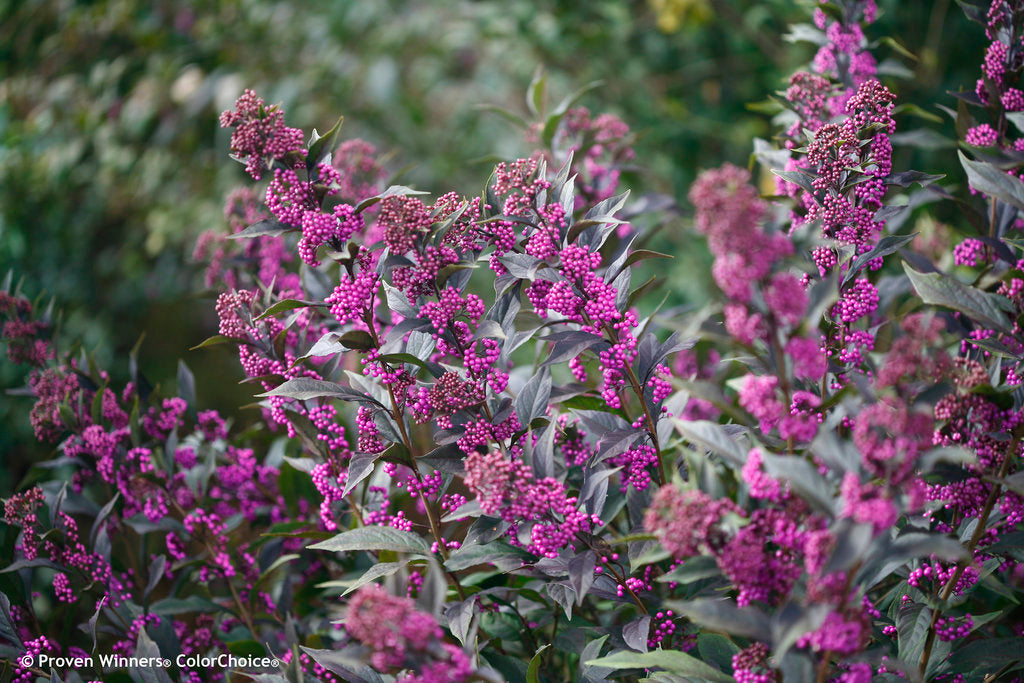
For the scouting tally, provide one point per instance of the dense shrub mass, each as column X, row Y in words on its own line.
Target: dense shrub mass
column 487, row 453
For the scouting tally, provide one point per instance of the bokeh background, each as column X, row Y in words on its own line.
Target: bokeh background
column 112, row 162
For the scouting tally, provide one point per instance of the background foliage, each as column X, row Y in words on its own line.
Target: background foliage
column 110, row 156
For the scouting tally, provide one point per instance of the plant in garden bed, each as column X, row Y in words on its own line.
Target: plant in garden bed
column 512, row 465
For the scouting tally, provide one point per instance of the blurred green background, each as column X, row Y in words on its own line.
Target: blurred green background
column 112, row 162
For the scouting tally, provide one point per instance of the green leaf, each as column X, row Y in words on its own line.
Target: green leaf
column 186, row 384
column 8, row 631
column 942, row 290
column 672, row 661
column 357, row 340
column 499, row 554
column 533, row 670
column 906, row 178
column 987, row 654
column 285, row 305
column 1016, row 118
column 911, row 109
column 912, row 624
column 375, row 538
column 535, row 93
column 377, row 571
column 304, row 388
column 277, row 564
column 552, row 121
column 146, row 648
column 993, row 181
column 724, row 615
column 511, row 117
column 889, row 41
column 173, row 606
column 265, row 227
column 322, row 145
column 885, row 246
column 403, row 357
column 211, row 341
column 693, row 569
column 798, row 178
column 393, row 191
column 642, row 254
column 711, row 436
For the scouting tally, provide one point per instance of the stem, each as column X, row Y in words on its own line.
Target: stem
column 979, row 532
column 435, row 528
column 651, row 426
column 554, row 631
column 823, row 667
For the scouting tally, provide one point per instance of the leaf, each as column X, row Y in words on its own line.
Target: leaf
column 922, row 138
column 18, row 565
column 885, row 246
column 793, row 621
column 195, row 603
column 146, row 648
column 906, row 178
column 993, row 181
column 90, row 628
column 285, row 305
column 304, row 388
column 320, row 146
column 327, row 345
column 898, row 47
column 643, row 254
column 532, row 400
column 377, row 571
column 711, row 436
column 1016, row 118
column 535, row 92
column 986, row 654
column 277, row 564
column 359, row 468
column 447, row 458
column 581, row 573
column 672, row 661
column 533, row 670
column 509, row 116
column 393, row 191
column 523, row 266
column 942, row 290
column 211, row 341
column 717, row 650
column 912, row 624
column 8, row 631
column 635, row 633
column 500, row 554
column 552, row 121
column 375, row 538
column 460, row 617
column 692, row 569
column 592, row 649
column 569, row 345
column 724, row 615
column 804, row 479
column 433, row 368
column 799, row 178
column 102, row 516
column 156, row 572
column 266, row 226
column 357, row 340
column 186, row 384
column 346, row 667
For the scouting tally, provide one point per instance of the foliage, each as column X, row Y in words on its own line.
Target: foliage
column 515, row 464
